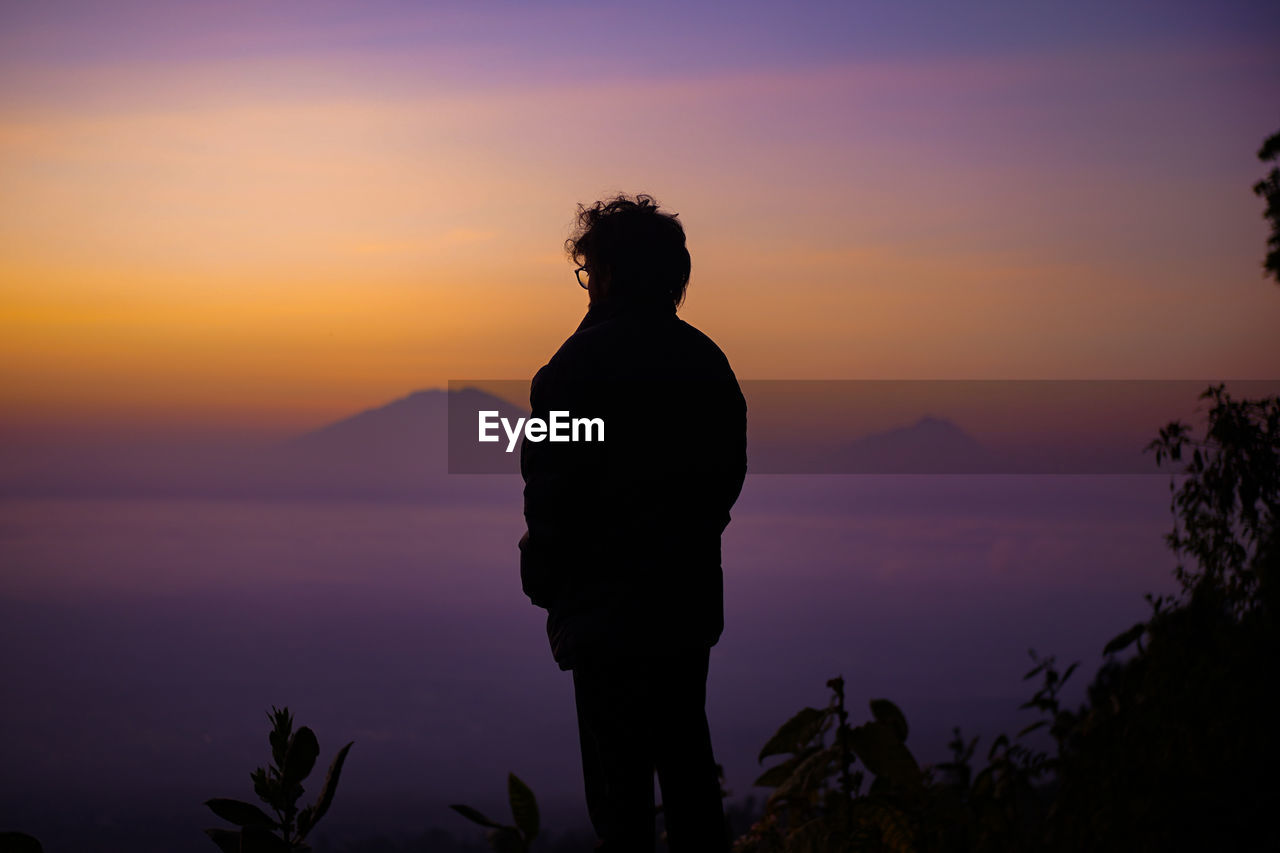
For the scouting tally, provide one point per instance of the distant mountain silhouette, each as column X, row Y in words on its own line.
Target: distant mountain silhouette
column 398, row 451
column 401, row 451
column 410, row 434
column 935, row 445
column 930, row 446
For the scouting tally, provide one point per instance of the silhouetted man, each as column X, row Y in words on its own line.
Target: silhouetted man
column 623, row 541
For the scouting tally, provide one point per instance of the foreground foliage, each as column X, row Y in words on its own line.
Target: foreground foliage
column 517, row 836
column 279, row 786
column 1175, row 747
column 1269, row 190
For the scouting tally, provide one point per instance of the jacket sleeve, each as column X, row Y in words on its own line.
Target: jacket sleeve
column 556, row 495
column 537, row 582
column 735, row 459
column 542, row 494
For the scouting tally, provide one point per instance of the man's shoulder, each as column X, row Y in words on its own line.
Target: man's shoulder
column 574, row 363
column 580, row 353
column 623, row 346
column 702, row 342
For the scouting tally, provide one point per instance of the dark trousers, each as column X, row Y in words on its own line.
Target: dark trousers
column 641, row 715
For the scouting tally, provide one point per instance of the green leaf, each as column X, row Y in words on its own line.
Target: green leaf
column 19, row 842
column 330, row 785
column 240, row 813
column 524, row 807
column 1123, row 641
column 266, row 789
column 301, row 756
column 780, row 773
column 888, row 713
column 228, row 840
column 795, row 733
column 808, row 776
column 879, row 748
column 281, row 728
column 306, row 820
column 1031, row 728
column 983, row 783
column 475, row 816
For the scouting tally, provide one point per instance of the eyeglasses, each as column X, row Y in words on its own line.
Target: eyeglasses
column 583, row 277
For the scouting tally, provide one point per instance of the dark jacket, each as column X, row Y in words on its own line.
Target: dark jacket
column 623, row 541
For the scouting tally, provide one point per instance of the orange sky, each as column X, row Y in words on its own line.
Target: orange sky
column 276, row 240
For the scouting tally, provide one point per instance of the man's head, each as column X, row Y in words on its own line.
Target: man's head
column 633, row 251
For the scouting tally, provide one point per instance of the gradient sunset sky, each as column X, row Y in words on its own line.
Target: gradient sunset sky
column 266, row 216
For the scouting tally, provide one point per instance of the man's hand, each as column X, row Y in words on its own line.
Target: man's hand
column 534, row 574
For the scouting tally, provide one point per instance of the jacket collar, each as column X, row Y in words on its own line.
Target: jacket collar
column 600, row 313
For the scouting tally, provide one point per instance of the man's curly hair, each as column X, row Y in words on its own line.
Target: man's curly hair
column 637, row 245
